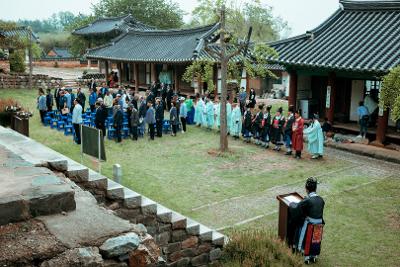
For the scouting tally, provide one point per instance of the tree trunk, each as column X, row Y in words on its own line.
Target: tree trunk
column 30, row 58
column 224, row 93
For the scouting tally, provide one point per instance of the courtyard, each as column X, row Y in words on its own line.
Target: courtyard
column 239, row 190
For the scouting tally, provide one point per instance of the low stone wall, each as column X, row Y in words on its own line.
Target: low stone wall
column 75, row 63
column 22, row 81
column 4, row 66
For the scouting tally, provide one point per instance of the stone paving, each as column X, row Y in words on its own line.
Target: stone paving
column 27, row 191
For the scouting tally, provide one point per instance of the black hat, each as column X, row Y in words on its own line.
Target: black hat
column 280, row 110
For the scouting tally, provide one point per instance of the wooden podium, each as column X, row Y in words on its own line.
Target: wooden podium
column 284, row 202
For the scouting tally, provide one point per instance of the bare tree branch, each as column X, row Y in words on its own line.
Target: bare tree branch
column 212, row 52
column 237, row 52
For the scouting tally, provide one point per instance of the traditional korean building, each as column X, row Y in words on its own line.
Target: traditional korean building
column 342, row 61
column 59, row 53
column 146, row 56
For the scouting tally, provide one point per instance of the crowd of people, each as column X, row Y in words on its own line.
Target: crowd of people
column 146, row 114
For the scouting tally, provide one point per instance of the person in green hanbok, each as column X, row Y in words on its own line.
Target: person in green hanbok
column 198, row 115
column 217, row 113
column 209, row 114
column 315, row 138
column 236, row 121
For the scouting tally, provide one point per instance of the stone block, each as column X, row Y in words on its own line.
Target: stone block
column 140, row 229
column 190, row 242
column 120, row 245
column 172, row 247
column 200, row 260
column 188, row 252
column 203, row 248
column 59, row 165
column 144, row 256
column 163, row 238
column 179, row 235
column 164, row 227
column 215, row 254
column 13, row 210
column 175, row 256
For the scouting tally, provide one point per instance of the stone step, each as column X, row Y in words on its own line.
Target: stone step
column 114, row 190
column 218, row 239
column 78, row 173
column 97, row 181
column 178, row 221
column 205, row 233
column 149, row 207
column 163, row 214
column 192, row 227
column 132, row 199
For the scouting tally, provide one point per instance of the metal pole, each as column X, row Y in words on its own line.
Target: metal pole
column 99, row 146
column 80, row 133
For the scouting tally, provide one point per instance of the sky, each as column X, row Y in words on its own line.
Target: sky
column 301, row 15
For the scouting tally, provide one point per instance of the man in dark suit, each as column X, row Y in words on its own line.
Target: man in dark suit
column 101, row 116
column 118, row 119
column 159, row 116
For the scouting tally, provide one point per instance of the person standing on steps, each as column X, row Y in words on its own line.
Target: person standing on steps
column 363, row 119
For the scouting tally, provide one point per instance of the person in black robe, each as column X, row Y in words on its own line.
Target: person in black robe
column 82, row 98
column 277, row 124
column 118, row 119
column 252, row 98
column 159, row 117
column 308, row 212
column 49, row 100
column 170, row 95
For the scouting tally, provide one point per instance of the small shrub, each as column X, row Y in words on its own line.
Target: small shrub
column 258, row 248
column 17, row 61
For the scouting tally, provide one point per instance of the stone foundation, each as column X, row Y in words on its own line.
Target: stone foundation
column 58, row 63
column 4, row 66
column 21, row 81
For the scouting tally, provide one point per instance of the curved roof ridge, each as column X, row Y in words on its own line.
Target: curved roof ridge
column 372, row 5
column 207, row 28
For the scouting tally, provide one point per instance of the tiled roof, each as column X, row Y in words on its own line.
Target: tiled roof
column 109, row 25
column 362, row 36
column 21, row 31
column 156, row 45
column 62, row 52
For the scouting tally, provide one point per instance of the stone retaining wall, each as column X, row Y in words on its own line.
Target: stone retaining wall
column 183, row 242
column 22, row 81
column 4, row 66
column 75, row 63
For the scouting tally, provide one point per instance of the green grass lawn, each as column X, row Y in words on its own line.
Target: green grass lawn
column 184, row 174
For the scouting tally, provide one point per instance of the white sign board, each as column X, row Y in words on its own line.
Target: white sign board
column 328, row 97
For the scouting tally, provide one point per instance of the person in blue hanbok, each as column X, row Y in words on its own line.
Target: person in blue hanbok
column 209, row 114
column 315, row 138
column 198, row 115
column 236, row 121
column 217, row 113
column 229, row 116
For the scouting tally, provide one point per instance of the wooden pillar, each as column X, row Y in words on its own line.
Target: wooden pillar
column 382, row 128
column 119, row 67
column 293, row 89
column 100, row 66
column 330, row 97
column 136, row 77
column 247, row 82
column 153, row 71
column 106, row 69
column 176, row 79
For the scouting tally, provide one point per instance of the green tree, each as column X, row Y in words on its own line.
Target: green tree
column 240, row 17
column 17, row 61
column 162, row 14
column 78, row 44
column 390, row 93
